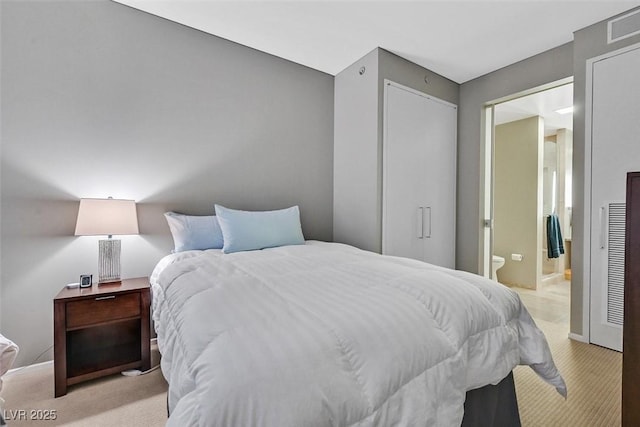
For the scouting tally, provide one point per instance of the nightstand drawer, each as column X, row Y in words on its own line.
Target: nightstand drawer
column 102, row 308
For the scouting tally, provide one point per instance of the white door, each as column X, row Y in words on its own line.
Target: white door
column 419, row 172
column 615, row 140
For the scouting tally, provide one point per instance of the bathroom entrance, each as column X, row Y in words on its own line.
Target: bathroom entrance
column 528, row 194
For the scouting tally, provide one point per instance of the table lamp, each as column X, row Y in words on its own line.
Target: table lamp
column 100, row 217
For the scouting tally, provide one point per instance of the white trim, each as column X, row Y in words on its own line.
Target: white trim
column 586, row 208
column 38, row 365
column 610, row 27
column 586, row 249
column 486, row 184
column 482, row 190
column 579, row 338
column 388, row 82
column 542, row 88
column 383, row 246
column 28, row 367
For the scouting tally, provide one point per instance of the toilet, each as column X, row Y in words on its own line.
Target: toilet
column 497, row 264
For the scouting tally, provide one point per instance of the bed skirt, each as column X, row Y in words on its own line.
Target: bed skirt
column 492, row 405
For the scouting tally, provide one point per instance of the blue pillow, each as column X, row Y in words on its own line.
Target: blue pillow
column 246, row 231
column 194, row 232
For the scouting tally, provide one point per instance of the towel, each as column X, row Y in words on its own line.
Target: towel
column 555, row 247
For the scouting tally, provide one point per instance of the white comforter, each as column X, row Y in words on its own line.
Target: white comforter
column 326, row 334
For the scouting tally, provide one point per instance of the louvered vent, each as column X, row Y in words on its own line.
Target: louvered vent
column 615, row 275
column 623, row 27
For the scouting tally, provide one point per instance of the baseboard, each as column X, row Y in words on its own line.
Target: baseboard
column 579, row 338
column 27, row 367
column 154, row 341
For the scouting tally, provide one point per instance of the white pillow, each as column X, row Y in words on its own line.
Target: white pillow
column 194, row 232
column 246, row 231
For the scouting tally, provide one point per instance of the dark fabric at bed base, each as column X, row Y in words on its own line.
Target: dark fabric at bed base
column 492, row 405
column 488, row 406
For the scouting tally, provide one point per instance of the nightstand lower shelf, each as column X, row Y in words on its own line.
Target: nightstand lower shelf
column 101, row 331
column 103, row 347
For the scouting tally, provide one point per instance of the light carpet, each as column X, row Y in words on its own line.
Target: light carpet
column 115, row 400
column 594, row 379
column 593, row 376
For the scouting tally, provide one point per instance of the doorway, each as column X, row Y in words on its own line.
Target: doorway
column 528, row 170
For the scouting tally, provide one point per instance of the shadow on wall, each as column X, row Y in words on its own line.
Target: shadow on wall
column 153, row 120
column 40, row 253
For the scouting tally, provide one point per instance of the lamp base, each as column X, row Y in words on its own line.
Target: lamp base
column 110, row 282
column 108, row 261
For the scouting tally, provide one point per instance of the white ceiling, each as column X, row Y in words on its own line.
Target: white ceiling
column 542, row 104
column 460, row 40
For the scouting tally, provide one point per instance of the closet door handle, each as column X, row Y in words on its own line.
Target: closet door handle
column 427, row 210
column 420, row 223
column 603, row 227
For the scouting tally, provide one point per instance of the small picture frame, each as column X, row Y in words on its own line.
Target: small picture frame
column 86, row 280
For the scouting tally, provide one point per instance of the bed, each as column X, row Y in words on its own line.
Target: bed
column 324, row 334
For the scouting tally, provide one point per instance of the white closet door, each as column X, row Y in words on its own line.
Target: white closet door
column 615, row 143
column 419, row 158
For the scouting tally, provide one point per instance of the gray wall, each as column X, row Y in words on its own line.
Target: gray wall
column 355, row 166
column 99, row 99
column 359, row 112
column 587, row 43
column 549, row 66
column 399, row 70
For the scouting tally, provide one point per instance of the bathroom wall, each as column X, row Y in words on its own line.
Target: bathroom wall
column 518, row 200
column 564, row 139
column 550, row 196
column 557, row 156
column 565, row 183
column 549, row 166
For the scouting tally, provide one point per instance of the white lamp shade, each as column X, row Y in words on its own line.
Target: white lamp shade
column 106, row 217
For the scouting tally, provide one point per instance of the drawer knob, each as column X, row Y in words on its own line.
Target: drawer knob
column 105, row 298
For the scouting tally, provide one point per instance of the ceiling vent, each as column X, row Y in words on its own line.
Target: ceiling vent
column 624, row 26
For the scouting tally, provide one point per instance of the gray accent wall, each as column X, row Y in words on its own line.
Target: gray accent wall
column 359, row 112
column 99, row 100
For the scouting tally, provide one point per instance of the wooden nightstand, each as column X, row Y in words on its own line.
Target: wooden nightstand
column 100, row 331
